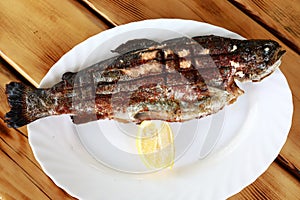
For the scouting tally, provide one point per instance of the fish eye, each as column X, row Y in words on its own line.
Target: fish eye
column 267, row 49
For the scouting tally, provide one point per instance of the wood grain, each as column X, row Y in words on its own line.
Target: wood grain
column 275, row 184
column 220, row 13
column 21, row 176
column 13, row 179
column 291, row 149
column 35, row 35
column 290, row 167
column 280, row 17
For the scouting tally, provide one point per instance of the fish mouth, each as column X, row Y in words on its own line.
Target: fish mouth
column 280, row 53
column 277, row 56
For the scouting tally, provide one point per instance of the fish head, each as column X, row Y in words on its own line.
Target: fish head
column 257, row 59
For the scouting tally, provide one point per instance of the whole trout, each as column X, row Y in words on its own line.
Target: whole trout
column 175, row 80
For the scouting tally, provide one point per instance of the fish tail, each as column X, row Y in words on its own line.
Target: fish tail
column 24, row 107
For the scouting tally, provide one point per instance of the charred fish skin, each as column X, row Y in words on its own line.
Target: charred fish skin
column 27, row 104
column 174, row 80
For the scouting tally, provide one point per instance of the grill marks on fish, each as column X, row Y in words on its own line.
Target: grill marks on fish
column 137, row 64
column 150, row 64
column 174, row 80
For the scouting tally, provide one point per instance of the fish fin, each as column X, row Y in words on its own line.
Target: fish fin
column 133, row 45
column 236, row 91
column 84, row 118
column 16, row 94
column 69, row 77
column 26, row 104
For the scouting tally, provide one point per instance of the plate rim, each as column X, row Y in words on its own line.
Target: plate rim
column 212, row 159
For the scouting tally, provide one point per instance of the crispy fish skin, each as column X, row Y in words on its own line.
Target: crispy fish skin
column 175, row 80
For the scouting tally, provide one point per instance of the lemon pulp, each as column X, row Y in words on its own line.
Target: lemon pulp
column 155, row 144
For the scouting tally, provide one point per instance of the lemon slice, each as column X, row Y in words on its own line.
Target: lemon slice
column 155, row 144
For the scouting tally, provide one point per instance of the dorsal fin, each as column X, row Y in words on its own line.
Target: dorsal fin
column 133, row 45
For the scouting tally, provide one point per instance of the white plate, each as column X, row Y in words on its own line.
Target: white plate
column 254, row 130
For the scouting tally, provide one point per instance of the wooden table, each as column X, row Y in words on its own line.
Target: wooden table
column 35, row 34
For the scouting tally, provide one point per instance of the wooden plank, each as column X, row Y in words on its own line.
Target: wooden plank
column 278, row 16
column 12, row 186
column 21, row 177
column 42, row 42
column 198, row 10
column 286, row 164
column 290, row 153
column 33, row 36
column 275, row 184
column 220, row 13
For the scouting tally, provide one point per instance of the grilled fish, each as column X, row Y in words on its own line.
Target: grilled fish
column 175, row 80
